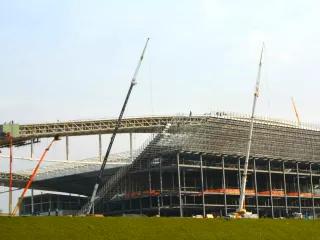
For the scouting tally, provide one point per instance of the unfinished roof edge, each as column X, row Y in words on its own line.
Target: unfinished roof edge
column 219, row 114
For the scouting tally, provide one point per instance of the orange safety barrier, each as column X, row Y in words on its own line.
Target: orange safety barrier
column 250, row 192
column 306, row 194
column 152, row 193
column 293, row 194
column 280, row 193
column 132, row 194
column 230, row 191
column 277, row 192
column 274, row 192
column 264, row 193
column 303, row 194
column 217, row 190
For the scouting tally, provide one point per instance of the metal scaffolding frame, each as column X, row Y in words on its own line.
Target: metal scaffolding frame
column 213, row 141
column 223, row 139
column 66, row 168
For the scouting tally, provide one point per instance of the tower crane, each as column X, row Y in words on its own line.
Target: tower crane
column 241, row 212
column 115, row 131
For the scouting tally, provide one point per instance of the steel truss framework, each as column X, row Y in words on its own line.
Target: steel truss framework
column 211, row 139
column 151, row 124
column 186, row 183
column 66, row 168
column 219, row 138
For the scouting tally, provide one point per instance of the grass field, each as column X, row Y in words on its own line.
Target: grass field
column 96, row 228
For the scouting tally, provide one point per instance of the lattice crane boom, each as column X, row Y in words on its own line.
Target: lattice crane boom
column 241, row 208
column 115, row 131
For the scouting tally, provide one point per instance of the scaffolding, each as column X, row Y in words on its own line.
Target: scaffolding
column 29, row 133
column 196, row 169
column 192, row 165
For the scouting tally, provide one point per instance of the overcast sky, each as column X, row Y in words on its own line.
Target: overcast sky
column 65, row 60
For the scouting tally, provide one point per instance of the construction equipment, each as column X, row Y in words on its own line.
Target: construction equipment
column 295, row 111
column 109, row 188
column 115, row 131
column 34, row 172
column 241, row 212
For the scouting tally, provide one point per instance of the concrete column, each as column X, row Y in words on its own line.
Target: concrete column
column 158, row 202
column 130, row 190
column 184, row 183
column 100, row 147
column 312, row 192
column 173, row 189
column 179, row 185
column 239, row 174
column 49, row 211
column 58, row 205
column 32, row 202
column 31, row 149
column 41, row 201
column 298, row 183
column 67, row 147
column 285, row 188
column 224, row 187
column 150, row 186
column 131, row 148
column 21, row 207
column 270, row 185
column 202, row 188
column 160, row 176
column 256, row 185
column 140, row 202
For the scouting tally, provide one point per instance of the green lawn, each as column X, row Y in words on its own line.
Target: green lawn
column 96, row 228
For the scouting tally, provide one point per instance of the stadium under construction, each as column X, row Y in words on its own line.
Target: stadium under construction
column 190, row 165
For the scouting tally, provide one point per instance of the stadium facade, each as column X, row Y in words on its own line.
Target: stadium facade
column 191, row 169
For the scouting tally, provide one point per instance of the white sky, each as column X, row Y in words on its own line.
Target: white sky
column 74, row 59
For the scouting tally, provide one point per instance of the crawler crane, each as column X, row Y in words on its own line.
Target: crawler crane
column 115, row 131
column 241, row 211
